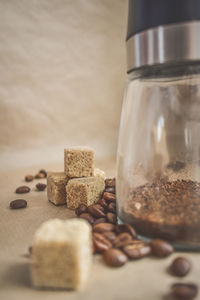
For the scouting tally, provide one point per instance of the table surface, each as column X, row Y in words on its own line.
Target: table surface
column 139, row 280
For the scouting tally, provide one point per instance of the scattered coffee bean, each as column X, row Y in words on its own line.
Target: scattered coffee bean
column 114, row 257
column 82, row 208
column 102, row 227
column 122, row 239
column 109, row 197
column 111, row 218
column 110, row 182
column 102, row 202
column 110, row 235
column 96, row 211
column 29, row 178
column 100, row 220
column 22, row 189
column 161, row 248
column 110, row 189
column 126, row 228
column 18, row 203
column 180, row 266
column 137, row 249
column 41, row 186
column 184, row 291
column 107, row 234
column 39, row 176
column 112, row 207
column 87, row 217
column 101, row 243
column 42, row 171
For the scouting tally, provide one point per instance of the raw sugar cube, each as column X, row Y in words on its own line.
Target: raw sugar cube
column 84, row 191
column 61, row 254
column 79, row 162
column 56, row 191
column 99, row 173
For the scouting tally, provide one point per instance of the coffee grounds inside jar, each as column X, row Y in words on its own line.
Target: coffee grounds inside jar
column 169, row 210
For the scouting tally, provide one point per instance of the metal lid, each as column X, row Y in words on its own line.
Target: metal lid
column 162, row 31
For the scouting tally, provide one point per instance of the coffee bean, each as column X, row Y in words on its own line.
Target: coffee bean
column 101, row 243
column 110, row 189
column 137, row 249
column 161, row 248
column 41, row 186
column 42, row 171
column 22, row 189
column 180, row 266
column 39, row 176
column 82, row 208
column 87, row 217
column 30, row 249
column 102, row 202
column 100, row 228
column 122, row 239
column 110, row 182
column 184, row 291
column 29, row 178
column 99, row 220
column 112, row 207
column 18, row 203
column 111, row 218
column 96, row 211
column 109, row 197
column 126, row 228
column 114, row 257
column 109, row 235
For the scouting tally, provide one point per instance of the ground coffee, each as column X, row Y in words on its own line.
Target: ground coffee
column 169, row 210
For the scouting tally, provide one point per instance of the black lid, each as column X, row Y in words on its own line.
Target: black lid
column 145, row 14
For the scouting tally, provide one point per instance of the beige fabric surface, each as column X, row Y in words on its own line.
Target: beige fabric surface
column 62, row 66
column 139, row 280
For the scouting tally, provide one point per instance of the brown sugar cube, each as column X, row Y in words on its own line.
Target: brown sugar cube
column 79, row 162
column 100, row 173
column 61, row 254
column 56, row 191
column 84, row 191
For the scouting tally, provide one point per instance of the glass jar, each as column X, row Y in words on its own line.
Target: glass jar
column 158, row 179
column 158, row 160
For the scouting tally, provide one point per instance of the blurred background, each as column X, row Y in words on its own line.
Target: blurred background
column 63, row 70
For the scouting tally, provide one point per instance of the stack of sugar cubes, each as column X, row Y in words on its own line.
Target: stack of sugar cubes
column 62, row 250
column 80, row 183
